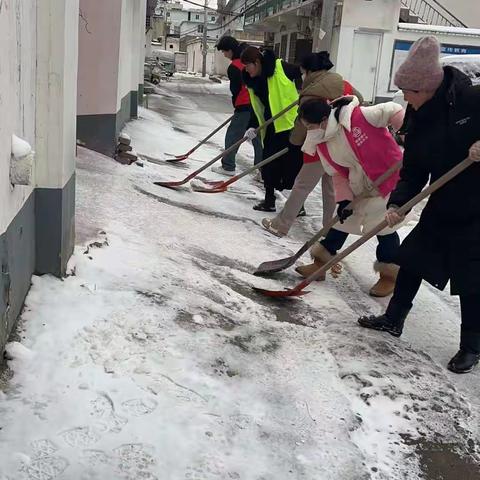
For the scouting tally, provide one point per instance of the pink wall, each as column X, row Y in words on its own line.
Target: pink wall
column 98, row 61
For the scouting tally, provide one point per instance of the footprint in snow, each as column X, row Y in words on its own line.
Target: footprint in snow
column 138, row 407
column 45, row 468
column 81, row 436
column 43, row 448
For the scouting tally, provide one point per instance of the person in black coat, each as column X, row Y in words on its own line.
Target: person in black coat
column 282, row 172
column 442, row 128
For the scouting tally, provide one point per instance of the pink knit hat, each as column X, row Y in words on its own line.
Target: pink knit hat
column 421, row 71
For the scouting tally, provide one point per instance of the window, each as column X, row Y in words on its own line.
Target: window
column 168, row 14
column 200, row 28
column 213, row 19
column 197, row 17
column 171, row 46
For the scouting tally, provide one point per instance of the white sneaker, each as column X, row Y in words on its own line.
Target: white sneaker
column 221, row 171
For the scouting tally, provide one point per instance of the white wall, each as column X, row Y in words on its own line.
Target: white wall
column 18, row 96
column 98, row 56
column 57, row 60
column 126, row 51
column 195, row 59
column 373, row 14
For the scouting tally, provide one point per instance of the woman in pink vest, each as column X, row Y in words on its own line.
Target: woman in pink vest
column 355, row 148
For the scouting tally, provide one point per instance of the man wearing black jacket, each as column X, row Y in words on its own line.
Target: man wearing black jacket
column 243, row 117
column 442, row 128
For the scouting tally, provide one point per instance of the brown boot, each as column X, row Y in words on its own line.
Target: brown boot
column 320, row 257
column 388, row 276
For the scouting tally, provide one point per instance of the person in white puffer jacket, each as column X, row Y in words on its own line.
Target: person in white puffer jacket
column 355, row 148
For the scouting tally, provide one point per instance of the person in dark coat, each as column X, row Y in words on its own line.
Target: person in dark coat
column 243, row 116
column 272, row 87
column 442, row 128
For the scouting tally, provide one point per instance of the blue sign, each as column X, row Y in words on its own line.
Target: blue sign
column 446, row 49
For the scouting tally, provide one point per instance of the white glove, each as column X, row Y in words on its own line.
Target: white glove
column 393, row 217
column 475, row 152
column 251, row 134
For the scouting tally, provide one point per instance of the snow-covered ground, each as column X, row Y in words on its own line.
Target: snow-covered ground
column 155, row 359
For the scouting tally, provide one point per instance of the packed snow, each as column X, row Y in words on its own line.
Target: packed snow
column 20, row 147
column 154, row 359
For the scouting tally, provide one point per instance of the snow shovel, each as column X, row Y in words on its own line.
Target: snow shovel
column 179, row 158
column 275, row 266
column 218, row 187
column 298, row 290
column 226, row 152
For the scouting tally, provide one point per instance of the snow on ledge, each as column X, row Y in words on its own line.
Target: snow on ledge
column 416, row 27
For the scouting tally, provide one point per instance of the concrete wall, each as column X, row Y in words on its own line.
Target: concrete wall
column 17, row 224
column 195, row 59
column 111, row 56
column 38, row 77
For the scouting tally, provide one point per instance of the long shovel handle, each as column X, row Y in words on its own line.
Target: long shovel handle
column 385, row 176
column 255, row 167
column 374, row 231
column 220, row 187
column 236, row 145
column 209, row 136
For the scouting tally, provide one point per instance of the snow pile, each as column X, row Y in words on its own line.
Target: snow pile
column 21, row 164
column 20, row 148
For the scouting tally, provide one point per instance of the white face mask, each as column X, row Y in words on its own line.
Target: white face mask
column 313, row 138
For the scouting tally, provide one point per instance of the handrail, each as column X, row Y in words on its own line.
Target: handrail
column 433, row 13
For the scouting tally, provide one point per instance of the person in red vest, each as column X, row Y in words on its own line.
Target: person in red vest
column 243, row 117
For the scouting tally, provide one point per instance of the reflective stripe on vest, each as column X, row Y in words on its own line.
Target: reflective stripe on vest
column 282, row 92
column 243, row 98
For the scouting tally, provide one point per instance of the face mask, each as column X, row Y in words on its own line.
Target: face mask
column 316, row 135
column 313, row 138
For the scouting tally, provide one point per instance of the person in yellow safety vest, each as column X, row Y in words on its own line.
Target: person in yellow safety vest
column 271, row 85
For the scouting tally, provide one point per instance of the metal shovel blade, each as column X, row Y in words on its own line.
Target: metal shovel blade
column 280, row 293
column 274, row 266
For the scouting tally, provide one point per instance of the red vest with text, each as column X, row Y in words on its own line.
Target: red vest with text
column 243, row 98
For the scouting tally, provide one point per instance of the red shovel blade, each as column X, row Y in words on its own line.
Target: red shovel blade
column 199, row 188
column 280, row 293
column 173, row 185
column 178, row 158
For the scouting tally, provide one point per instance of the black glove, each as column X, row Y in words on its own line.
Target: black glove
column 343, row 212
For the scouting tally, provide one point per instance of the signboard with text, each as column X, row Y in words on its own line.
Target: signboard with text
column 401, row 48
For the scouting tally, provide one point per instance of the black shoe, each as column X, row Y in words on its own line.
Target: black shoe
column 264, row 206
column 302, row 212
column 392, row 321
column 463, row 362
column 381, row 323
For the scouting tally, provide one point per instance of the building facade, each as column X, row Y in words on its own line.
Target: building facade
column 362, row 36
column 110, row 69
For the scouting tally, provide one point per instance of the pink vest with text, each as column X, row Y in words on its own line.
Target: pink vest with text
column 375, row 149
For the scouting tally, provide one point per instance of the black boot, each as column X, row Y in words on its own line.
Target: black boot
column 391, row 321
column 469, row 354
column 265, row 206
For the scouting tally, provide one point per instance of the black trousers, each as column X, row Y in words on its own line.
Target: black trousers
column 406, row 289
column 386, row 250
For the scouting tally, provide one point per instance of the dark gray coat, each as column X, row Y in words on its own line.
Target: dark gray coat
column 445, row 245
